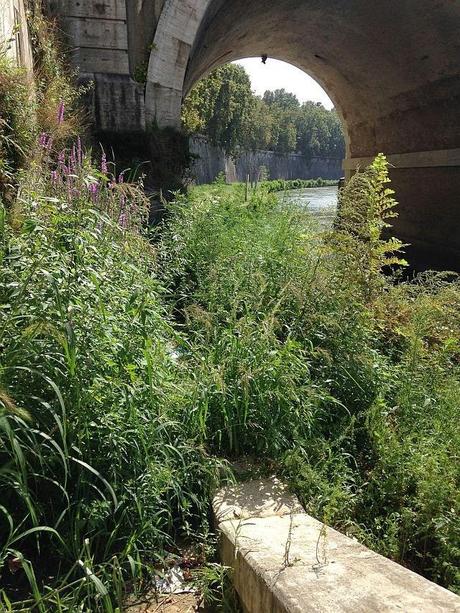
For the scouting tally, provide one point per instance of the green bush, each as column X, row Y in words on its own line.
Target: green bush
column 307, row 355
column 31, row 104
column 281, row 185
column 18, row 125
column 99, row 472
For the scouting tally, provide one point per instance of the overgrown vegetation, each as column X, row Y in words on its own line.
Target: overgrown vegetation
column 279, row 185
column 130, row 367
column 96, row 462
column 29, row 104
column 99, row 476
column 306, row 354
column 17, row 126
column 221, row 187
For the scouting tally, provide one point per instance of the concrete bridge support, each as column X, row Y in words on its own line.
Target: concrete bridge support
column 391, row 68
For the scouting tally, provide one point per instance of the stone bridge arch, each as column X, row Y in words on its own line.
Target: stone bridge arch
column 392, row 69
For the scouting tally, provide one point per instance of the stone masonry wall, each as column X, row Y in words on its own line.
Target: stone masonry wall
column 209, row 161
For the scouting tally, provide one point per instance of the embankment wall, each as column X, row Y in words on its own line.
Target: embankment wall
column 209, row 161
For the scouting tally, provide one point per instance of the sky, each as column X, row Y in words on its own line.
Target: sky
column 280, row 75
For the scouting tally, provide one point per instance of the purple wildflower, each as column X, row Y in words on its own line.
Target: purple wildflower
column 104, row 167
column 121, row 178
column 123, row 220
column 54, row 177
column 45, row 141
column 61, row 158
column 79, row 152
column 93, row 189
column 60, row 115
column 73, row 159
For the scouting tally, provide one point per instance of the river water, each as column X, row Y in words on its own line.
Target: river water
column 319, row 200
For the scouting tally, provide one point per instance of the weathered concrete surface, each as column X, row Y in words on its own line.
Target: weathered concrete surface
column 210, row 161
column 285, row 561
column 115, row 103
column 96, row 32
column 258, row 498
column 14, row 36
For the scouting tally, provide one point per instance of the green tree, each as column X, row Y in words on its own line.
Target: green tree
column 287, row 138
column 224, row 109
column 261, row 127
column 220, row 106
column 319, row 131
column 282, row 99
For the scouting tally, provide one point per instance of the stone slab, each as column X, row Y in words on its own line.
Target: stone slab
column 108, row 61
column 96, row 33
column 264, row 498
column 288, row 562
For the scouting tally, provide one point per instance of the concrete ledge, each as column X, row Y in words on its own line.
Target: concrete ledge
column 286, row 561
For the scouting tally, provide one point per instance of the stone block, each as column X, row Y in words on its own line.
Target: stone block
column 285, row 561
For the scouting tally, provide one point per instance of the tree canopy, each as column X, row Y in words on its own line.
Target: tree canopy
column 223, row 108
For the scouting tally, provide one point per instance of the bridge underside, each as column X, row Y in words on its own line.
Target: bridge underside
column 392, row 69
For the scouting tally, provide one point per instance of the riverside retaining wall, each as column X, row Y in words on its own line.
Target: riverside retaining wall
column 209, row 161
column 285, row 561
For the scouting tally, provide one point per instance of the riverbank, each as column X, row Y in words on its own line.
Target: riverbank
column 138, row 364
column 282, row 186
column 131, row 374
column 276, row 185
column 325, row 365
column 210, row 161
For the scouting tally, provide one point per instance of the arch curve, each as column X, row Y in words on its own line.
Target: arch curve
column 391, row 68
column 174, row 38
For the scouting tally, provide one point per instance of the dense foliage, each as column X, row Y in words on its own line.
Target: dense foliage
column 308, row 355
column 29, row 103
column 96, row 461
column 129, row 371
column 98, row 474
column 279, row 185
column 123, row 381
column 223, row 108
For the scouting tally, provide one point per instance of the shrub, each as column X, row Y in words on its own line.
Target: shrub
column 18, row 125
column 307, row 355
column 281, row 185
column 98, row 469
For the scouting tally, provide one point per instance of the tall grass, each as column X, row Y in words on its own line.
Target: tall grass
column 127, row 370
column 98, row 471
column 307, row 355
column 130, row 367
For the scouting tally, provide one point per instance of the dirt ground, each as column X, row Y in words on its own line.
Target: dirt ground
column 174, row 603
